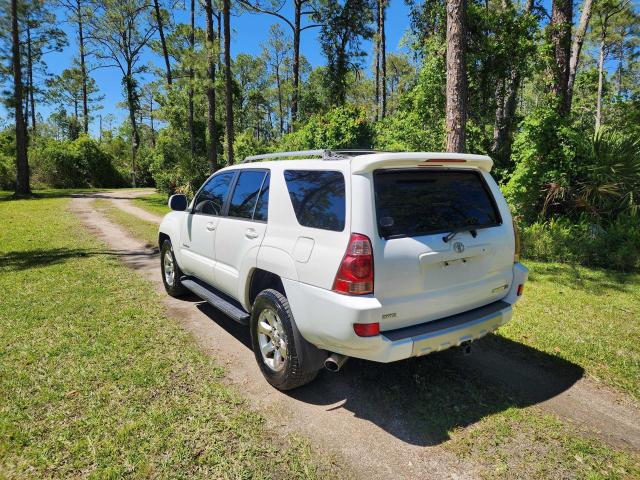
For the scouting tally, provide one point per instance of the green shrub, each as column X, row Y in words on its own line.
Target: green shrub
column 7, row 172
column 561, row 171
column 342, row 127
column 615, row 246
column 246, row 144
column 173, row 167
column 68, row 164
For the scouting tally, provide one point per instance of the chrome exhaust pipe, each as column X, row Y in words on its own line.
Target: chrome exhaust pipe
column 335, row 361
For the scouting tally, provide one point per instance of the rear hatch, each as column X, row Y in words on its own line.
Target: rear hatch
column 442, row 246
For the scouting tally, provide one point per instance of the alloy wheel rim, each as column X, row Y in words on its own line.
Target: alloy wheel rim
column 169, row 270
column 271, row 340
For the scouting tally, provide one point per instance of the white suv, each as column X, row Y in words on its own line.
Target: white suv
column 380, row 256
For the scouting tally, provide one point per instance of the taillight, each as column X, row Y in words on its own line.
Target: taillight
column 355, row 275
column 366, row 329
column 520, row 289
column 516, row 234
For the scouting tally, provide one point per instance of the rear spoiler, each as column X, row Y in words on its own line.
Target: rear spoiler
column 368, row 163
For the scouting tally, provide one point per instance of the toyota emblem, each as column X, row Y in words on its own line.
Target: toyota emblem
column 458, row 247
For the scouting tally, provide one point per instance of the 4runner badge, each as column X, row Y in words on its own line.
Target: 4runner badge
column 458, row 247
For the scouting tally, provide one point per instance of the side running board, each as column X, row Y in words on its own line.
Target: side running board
column 219, row 300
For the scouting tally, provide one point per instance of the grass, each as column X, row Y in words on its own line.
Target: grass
column 95, row 381
column 521, row 443
column 590, row 317
column 142, row 229
column 154, row 203
column 484, row 423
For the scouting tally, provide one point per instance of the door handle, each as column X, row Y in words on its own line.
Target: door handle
column 251, row 233
column 211, row 227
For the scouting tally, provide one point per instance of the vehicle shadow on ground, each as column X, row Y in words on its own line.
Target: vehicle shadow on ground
column 421, row 400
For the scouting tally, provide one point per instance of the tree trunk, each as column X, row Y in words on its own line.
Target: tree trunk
column 228, row 93
column 211, row 91
column 506, row 98
column 153, row 130
column 600, row 80
column 561, row 21
column 377, row 48
column 83, row 69
column 620, row 65
column 456, row 110
column 280, row 102
column 30, row 92
column 576, row 48
column 296, row 60
column 22, row 161
column 135, row 136
column 191, row 126
column 383, row 59
column 163, row 42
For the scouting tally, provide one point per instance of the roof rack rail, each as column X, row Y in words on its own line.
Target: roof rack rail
column 325, row 154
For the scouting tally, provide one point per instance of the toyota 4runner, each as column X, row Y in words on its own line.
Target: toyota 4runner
column 327, row 255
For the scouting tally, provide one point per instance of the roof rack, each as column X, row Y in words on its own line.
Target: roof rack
column 325, row 154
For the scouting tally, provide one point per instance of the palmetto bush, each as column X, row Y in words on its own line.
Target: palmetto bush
column 560, row 171
column 612, row 185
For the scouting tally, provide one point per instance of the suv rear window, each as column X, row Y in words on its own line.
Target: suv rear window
column 420, row 202
column 317, row 197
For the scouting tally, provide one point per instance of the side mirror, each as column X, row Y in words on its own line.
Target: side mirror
column 178, row 202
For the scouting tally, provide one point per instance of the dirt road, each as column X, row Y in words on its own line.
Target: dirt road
column 376, row 418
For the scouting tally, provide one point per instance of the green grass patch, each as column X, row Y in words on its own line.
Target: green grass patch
column 154, row 203
column 587, row 316
column 526, row 443
column 483, row 422
column 95, row 381
column 141, row 229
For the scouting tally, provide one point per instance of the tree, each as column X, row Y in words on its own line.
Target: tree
column 228, row 81
column 605, row 11
column 120, row 29
column 576, row 48
column 77, row 12
column 69, row 89
column 343, row 27
column 192, row 46
column 561, row 22
column 22, row 161
column 301, row 8
column 212, row 150
column 519, row 39
column 42, row 36
column 456, row 106
column 275, row 51
column 381, row 60
column 159, row 16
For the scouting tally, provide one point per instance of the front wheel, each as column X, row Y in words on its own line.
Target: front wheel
column 170, row 270
column 274, row 343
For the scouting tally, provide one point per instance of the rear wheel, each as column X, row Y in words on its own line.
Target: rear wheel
column 274, row 343
column 170, row 270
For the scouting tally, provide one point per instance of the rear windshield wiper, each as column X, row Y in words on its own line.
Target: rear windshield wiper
column 473, row 229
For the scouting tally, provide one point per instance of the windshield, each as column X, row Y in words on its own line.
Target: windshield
column 421, row 202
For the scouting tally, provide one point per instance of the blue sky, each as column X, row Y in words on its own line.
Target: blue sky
column 249, row 31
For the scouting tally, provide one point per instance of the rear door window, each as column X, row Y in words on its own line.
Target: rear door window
column 421, row 202
column 318, row 198
column 262, row 208
column 245, row 194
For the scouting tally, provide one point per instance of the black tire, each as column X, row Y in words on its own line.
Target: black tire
column 290, row 376
column 175, row 288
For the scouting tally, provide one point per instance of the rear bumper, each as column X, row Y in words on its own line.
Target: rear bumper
column 326, row 320
column 451, row 331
